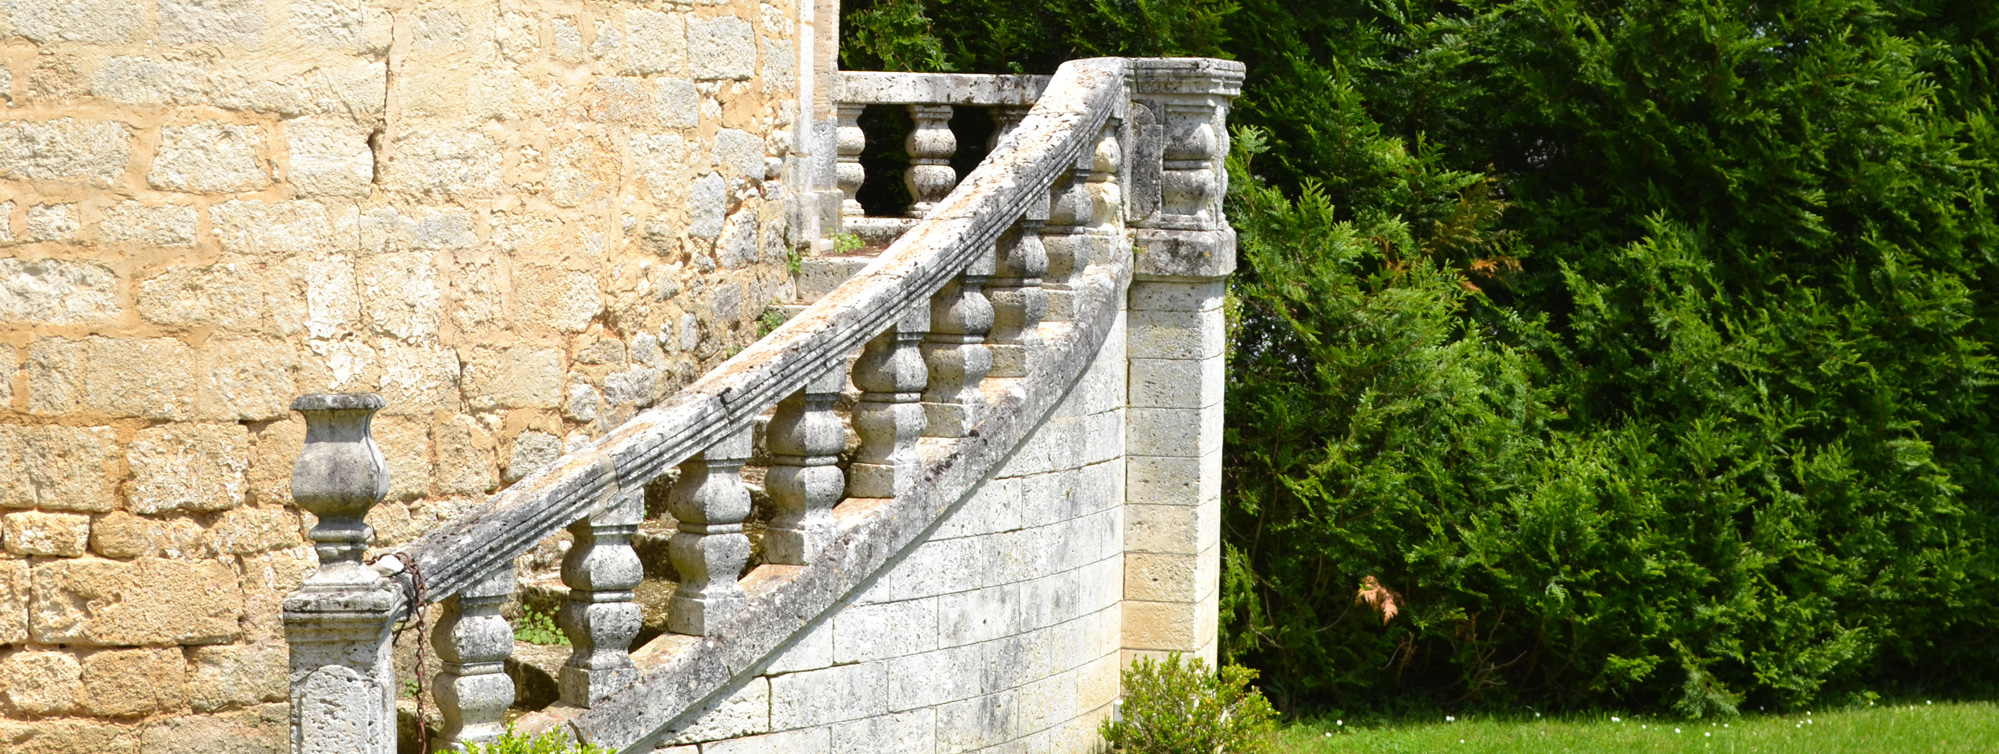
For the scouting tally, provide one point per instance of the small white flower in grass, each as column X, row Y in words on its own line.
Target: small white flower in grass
column 1614, row 719
column 1449, row 719
column 1339, row 722
column 1676, row 730
column 1708, row 735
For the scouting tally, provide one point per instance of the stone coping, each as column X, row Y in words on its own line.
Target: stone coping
column 889, row 88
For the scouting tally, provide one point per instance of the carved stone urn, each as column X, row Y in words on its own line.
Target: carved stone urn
column 339, row 476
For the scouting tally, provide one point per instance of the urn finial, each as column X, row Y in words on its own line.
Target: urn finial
column 339, row 476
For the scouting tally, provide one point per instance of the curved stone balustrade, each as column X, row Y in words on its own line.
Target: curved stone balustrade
column 1024, row 266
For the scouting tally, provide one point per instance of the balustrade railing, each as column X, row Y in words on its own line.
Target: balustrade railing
column 991, row 283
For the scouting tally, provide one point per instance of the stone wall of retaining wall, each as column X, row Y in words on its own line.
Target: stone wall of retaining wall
column 519, row 221
column 998, row 631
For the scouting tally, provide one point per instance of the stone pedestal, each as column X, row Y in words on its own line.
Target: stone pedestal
column 1184, row 252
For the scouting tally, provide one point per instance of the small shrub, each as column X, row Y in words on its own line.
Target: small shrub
column 549, row 742
column 1177, row 707
column 536, row 627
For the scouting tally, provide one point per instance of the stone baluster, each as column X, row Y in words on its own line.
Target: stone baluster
column 1006, row 118
column 889, row 417
column 931, row 144
column 849, row 142
column 956, row 352
column 1065, row 242
column 805, row 438
column 710, row 503
column 473, row 690
column 343, row 680
column 1019, row 303
column 599, row 617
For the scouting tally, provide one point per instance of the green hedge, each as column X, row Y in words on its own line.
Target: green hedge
column 1641, row 352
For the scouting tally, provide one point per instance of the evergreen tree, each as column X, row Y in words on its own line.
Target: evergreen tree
column 1637, row 352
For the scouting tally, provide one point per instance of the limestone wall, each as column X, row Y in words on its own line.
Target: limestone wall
column 999, row 630
column 518, row 221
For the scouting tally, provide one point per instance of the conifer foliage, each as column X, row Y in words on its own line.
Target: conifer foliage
column 1635, row 353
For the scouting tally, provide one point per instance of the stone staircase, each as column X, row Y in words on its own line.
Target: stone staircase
column 834, row 472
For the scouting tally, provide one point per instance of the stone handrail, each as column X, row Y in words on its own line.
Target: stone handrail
column 928, row 287
column 728, row 399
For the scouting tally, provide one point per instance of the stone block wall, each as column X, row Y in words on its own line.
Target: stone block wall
column 518, row 220
column 1000, row 630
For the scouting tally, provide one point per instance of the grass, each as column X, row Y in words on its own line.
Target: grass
column 1923, row 727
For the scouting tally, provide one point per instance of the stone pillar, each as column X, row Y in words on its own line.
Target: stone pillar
column 956, row 352
column 805, row 483
column 931, row 145
column 473, row 690
column 709, row 551
column 600, row 618
column 1183, row 251
column 343, row 679
column 889, row 418
column 848, row 174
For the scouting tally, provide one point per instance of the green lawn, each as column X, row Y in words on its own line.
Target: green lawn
column 1955, row 727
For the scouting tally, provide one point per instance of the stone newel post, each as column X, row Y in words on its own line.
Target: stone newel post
column 342, row 675
column 1184, row 251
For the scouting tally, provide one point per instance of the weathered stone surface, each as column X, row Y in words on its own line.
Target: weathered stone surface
column 339, row 24
column 329, row 157
column 40, row 683
column 267, row 580
column 464, row 457
column 53, row 222
column 275, row 228
column 132, row 682
column 446, row 161
column 88, row 21
column 564, row 299
column 518, row 377
column 56, row 468
column 57, row 292
column 132, row 222
column 13, row 601
column 912, row 732
column 745, row 712
column 707, row 203
column 237, row 675
column 245, row 531
column 217, row 22
column 723, row 47
column 65, row 149
column 119, row 535
column 265, row 729
column 400, row 295
column 739, row 153
column 532, row 450
column 245, row 379
column 91, row 602
column 228, row 295
column 656, row 42
column 68, row 736
column 209, row 157
column 659, row 160
column 679, row 103
column 831, row 695
column 40, row 533
column 195, row 467
column 148, row 82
